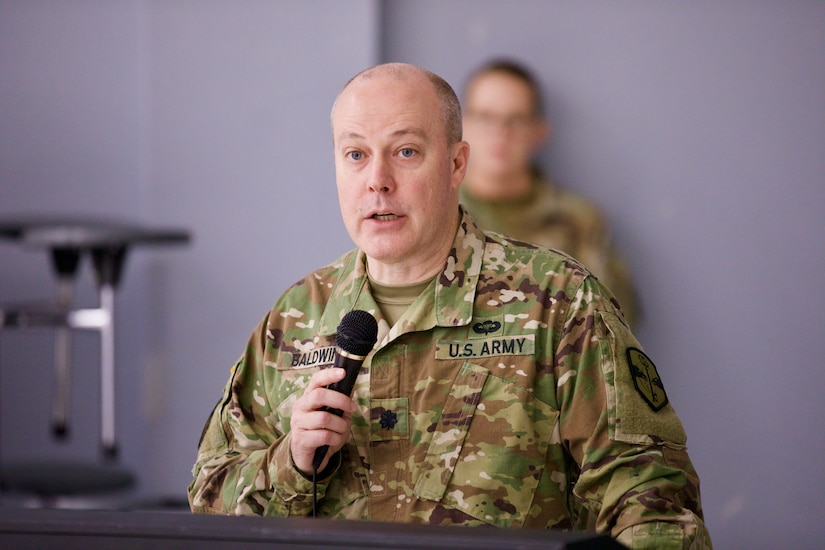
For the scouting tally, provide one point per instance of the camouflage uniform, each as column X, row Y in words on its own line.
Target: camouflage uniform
column 506, row 395
column 556, row 218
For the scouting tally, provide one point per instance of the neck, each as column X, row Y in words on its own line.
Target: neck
column 415, row 268
column 400, row 274
column 506, row 187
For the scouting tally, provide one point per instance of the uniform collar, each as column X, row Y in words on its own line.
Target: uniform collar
column 448, row 302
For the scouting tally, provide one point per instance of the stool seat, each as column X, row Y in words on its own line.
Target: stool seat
column 86, row 234
column 52, row 478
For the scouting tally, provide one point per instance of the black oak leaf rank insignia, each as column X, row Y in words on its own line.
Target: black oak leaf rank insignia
column 388, row 420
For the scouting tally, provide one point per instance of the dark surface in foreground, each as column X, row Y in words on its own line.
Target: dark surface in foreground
column 86, row 529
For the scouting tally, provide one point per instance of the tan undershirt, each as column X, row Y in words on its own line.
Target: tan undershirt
column 395, row 299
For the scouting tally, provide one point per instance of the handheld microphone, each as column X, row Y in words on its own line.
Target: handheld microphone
column 356, row 335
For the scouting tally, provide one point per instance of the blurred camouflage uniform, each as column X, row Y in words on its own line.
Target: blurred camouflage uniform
column 557, row 218
column 506, row 395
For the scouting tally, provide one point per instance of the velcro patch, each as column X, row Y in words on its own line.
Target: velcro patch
column 317, row 357
column 389, row 419
column 646, row 379
column 486, row 347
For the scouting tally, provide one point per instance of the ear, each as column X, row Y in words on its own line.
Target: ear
column 459, row 157
column 542, row 132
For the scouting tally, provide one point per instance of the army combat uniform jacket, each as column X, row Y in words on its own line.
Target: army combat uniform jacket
column 510, row 393
column 558, row 218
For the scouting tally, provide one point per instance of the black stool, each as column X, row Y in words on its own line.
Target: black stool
column 50, row 480
column 68, row 240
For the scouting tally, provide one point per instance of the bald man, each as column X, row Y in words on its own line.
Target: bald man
column 504, row 387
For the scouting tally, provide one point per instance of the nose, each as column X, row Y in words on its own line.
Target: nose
column 380, row 176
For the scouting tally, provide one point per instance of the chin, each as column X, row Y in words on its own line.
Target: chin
column 381, row 251
column 498, row 170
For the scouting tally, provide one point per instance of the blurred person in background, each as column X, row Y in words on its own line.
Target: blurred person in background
column 504, row 190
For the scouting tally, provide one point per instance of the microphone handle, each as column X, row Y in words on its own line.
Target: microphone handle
column 318, row 457
column 351, row 364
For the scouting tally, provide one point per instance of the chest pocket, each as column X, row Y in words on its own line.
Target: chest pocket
column 489, row 449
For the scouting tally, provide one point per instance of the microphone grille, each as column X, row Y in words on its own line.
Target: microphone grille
column 357, row 332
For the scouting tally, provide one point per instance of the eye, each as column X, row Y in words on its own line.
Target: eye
column 407, row 152
column 355, row 155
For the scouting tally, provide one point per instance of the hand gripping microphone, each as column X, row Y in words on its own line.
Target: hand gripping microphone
column 355, row 337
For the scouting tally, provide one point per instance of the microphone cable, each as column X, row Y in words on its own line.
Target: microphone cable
column 314, row 490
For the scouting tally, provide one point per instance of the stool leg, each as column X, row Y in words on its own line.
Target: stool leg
column 107, row 372
column 64, row 262
column 62, row 356
column 108, row 263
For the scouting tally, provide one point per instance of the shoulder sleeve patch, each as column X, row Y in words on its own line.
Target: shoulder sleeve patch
column 646, row 379
column 639, row 410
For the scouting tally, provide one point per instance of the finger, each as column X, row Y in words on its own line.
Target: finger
column 314, row 429
column 325, row 377
column 304, row 444
column 318, row 396
column 335, row 400
column 322, row 408
column 320, row 420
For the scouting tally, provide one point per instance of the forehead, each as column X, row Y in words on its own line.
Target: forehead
column 384, row 105
column 499, row 91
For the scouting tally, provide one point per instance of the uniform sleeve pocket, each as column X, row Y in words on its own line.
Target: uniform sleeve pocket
column 638, row 409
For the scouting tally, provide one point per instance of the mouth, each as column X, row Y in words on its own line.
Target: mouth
column 384, row 217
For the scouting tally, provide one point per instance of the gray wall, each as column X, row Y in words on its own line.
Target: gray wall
column 207, row 115
column 699, row 127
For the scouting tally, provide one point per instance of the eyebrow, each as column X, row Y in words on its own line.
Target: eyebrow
column 398, row 133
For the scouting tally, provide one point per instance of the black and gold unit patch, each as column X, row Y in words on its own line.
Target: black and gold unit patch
column 646, row 379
